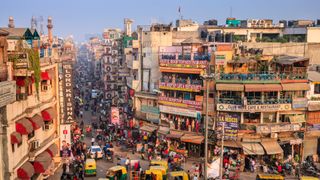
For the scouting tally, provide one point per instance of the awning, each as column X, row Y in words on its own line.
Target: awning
column 229, row 87
column 42, row 162
column 252, row 148
column 21, row 81
column 53, row 150
column 174, row 134
column 310, row 146
column 297, row 119
column 313, row 106
column 37, row 122
column 192, row 138
column 295, row 87
column 181, row 70
column 15, row 138
column 163, row 130
column 45, row 76
column 24, row 126
column 48, row 114
column 262, row 87
column 148, row 128
column 26, row 171
column 232, row 144
column 272, row 147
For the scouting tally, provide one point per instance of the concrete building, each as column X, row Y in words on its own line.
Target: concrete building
column 31, row 122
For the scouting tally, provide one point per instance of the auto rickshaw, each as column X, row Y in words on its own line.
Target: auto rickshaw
column 176, row 175
column 308, row 178
column 269, row 176
column 117, row 172
column 162, row 169
column 90, row 167
column 159, row 163
column 153, row 174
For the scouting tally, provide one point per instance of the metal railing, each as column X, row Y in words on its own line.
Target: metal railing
column 260, row 77
column 254, row 101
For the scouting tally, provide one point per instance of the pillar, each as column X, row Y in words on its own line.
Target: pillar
column 50, row 26
column 277, row 117
column 242, row 118
column 261, row 118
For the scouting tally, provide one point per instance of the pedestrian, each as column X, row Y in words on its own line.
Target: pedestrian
column 127, row 163
column 92, row 141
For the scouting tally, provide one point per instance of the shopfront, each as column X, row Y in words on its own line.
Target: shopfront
column 194, row 144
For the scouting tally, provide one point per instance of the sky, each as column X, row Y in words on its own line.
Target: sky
column 80, row 17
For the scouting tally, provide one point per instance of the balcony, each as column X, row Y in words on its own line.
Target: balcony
column 256, row 78
column 180, row 102
column 186, row 61
column 194, row 86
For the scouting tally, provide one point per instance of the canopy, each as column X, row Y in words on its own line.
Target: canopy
column 262, row 87
column 15, row 138
column 37, row 122
column 229, row 87
column 252, row 148
column 24, row 126
column 26, row 171
column 42, row 162
column 272, row 147
column 295, row 87
column 192, row 138
column 175, row 134
column 48, row 114
column 232, row 144
column 163, row 130
column 148, row 128
column 45, row 76
column 53, row 150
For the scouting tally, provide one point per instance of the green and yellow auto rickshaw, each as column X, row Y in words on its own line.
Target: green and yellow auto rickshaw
column 90, row 167
column 117, row 172
column 162, row 169
column 269, row 176
column 159, row 163
column 154, row 174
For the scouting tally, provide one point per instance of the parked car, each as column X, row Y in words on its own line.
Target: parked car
column 95, row 152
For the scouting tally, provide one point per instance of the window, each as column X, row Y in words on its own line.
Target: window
column 31, row 135
column 299, row 94
column 44, row 86
column 13, row 146
column 317, row 89
column 251, row 117
column 269, row 117
column 47, row 125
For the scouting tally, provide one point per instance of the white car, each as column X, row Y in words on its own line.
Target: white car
column 93, row 150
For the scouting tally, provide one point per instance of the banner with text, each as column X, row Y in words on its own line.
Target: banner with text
column 231, row 125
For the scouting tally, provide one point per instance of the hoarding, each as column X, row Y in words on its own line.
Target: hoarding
column 67, row 79
column 115, row 119
column 65, row 136
column 253, row 108
column 231, row 125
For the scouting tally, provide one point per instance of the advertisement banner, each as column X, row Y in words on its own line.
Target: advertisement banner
column 231, row 125
column 254, row 108
column 115, row 115
column 178, row 111
column 67, row 83
column 299, row 103
column 276, row 128
column 65, row 139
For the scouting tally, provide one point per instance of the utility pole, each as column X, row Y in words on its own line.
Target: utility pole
column 206, row 132
column 222, row 151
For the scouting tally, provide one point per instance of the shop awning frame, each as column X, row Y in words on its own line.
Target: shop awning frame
column 53, row 150
column 262, row 87
column 45, row 76
column 16, row 138
column 37, row 121
column 42, row 162
column 272, row 147
column 295, row 87
column 229, row 87
column 252, row 148
column 310, row 146
column 148, row 128
column 192, row 138
column 173, row 134
column 231, row 144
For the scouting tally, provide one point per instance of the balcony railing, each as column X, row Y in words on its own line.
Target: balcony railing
column 180, row 86
column 186, row 61
column 180, row 102
column 261, row 77
column 200, row 57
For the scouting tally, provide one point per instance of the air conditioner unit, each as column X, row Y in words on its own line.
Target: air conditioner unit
column 35, row 144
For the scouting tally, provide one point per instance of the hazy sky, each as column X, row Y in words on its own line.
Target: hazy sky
column 79, row 17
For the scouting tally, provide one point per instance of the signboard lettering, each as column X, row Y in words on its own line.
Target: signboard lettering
column 254, row 108
column 68, row 107
column 266, row 129
column 231, row 125
column 178, row 111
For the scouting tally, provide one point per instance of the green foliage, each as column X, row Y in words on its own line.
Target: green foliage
column 34, row 61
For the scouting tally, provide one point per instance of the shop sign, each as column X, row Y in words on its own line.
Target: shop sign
column 184, row 63
column 267, row 129
column 220, row 59
column 254, row 108
column 295, row 141
column 179, row 87
column 65, row 135
column 299, row 103
column 231, row 125
column 297, row 118
column 153, row 117
column 179, row 111
column 115, row 117
column 68, row 93
column 149, row 109
column 7, row 92
column 180, row 102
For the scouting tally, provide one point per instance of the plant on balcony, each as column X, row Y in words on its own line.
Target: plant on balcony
column 34, row 61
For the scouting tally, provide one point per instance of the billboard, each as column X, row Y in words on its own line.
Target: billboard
column 65, row 139
column 67, row 83
column 115, row 119
column 231, row 125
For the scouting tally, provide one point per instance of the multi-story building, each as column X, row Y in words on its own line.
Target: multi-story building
column 313, row 115
column 262, row 102
column 30, row 123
